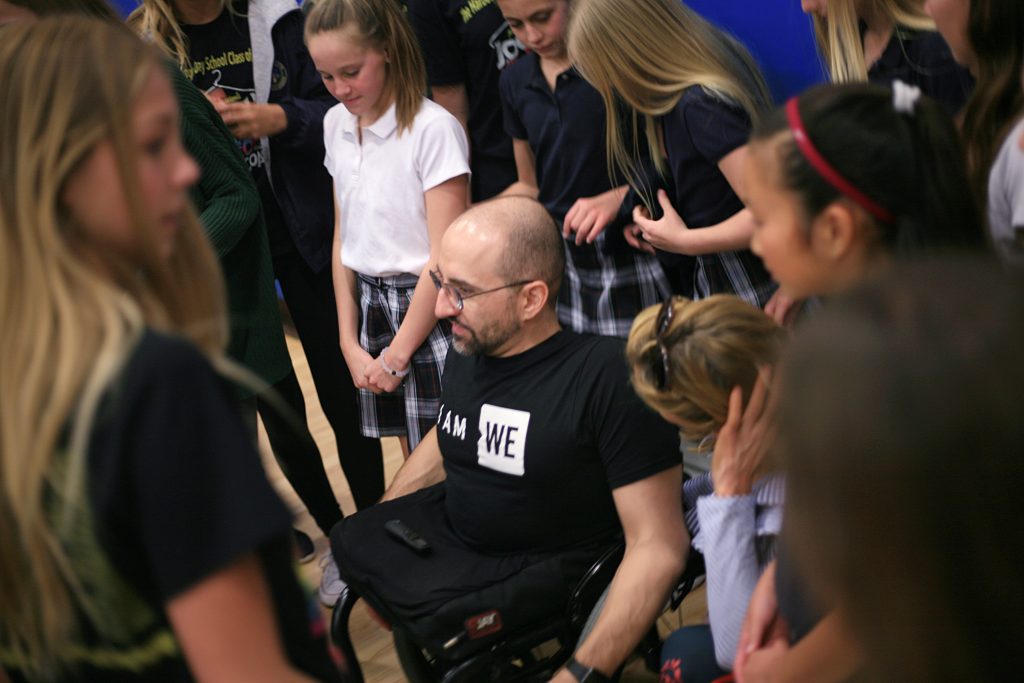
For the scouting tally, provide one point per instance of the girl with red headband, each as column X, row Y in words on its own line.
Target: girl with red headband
column 844, row 176
column 841, row 181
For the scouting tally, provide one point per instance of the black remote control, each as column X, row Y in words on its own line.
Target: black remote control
column 401, row 532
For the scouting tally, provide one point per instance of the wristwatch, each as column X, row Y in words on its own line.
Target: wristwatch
column 586, row 674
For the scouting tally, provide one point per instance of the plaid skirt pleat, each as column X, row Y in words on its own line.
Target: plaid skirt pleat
column 606, row 285
column 411, row 410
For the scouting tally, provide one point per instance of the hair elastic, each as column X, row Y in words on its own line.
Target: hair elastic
column 904, row 97
column 825, row 169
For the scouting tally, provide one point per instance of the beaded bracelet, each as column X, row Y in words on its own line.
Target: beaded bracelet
column 390, row 370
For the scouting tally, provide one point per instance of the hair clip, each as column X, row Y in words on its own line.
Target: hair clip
column 904, row 97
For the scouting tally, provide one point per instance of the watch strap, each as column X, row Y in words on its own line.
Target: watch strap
column 586, row 674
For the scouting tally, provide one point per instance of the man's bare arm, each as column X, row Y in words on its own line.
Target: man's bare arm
column 656, row 545
column 423, row 468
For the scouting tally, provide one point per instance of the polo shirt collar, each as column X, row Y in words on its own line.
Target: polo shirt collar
column 386, row 124
column 381, row 128
column 537, row 80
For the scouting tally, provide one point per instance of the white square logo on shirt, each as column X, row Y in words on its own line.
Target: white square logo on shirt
column 502, row 444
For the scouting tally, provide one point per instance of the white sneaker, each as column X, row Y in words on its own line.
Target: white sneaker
column 331, row 584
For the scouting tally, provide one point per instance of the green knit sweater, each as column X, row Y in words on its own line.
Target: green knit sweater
column 229, row 207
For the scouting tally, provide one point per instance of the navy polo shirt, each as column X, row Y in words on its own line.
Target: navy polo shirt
column 922, row 58
column 699, row 132
column 565, row 129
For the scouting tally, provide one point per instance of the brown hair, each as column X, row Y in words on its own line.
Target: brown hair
column 382, row 25
column 67, row 328
column 714, row 344
column 995, row 29
column 899, row 424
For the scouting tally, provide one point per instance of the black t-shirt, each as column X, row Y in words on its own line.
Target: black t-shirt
column 220, row 56
column 922, row 58
column 469, row 42
column 177, row 492
column 534, row 444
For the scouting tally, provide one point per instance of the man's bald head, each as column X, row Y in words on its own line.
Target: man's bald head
column 526, row 235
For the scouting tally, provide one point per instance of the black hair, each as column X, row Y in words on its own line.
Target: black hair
column 912, row 164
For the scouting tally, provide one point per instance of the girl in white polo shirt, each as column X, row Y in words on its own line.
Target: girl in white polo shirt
column 401, row 171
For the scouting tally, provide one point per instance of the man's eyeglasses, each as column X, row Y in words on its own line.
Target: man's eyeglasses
column 660, row 366
column 458, row 298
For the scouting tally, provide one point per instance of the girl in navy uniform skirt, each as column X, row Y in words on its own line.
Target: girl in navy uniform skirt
column 556, row 120
column 698, row 93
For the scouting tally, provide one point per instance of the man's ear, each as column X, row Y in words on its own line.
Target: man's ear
column 834, row 232
column 533, row 298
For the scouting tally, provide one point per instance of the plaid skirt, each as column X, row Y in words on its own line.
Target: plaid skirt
column 411, row 410
column 607, row 283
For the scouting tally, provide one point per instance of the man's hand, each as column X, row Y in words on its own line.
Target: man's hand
column 743, row 439
column 563, row 676
column 251, row 120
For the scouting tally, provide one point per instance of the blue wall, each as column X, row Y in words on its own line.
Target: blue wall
column 777, row 33
column 124, row 6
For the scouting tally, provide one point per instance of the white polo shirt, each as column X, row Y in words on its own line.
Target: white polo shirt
column 379, row 185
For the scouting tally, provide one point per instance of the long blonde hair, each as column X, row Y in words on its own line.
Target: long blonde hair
column 66, row 330
column 839, row 38
column 382, row 25
column 644, row 54
column 713, row 345
column 155, row 20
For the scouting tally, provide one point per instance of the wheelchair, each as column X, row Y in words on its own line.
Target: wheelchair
column 523, row 656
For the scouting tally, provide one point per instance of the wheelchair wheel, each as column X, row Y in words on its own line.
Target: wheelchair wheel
column 414, row 663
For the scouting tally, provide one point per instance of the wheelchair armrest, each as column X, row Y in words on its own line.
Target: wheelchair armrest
column 589, row 588
column 693, row 571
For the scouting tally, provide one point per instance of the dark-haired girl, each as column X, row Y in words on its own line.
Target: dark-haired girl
column 841, row 181
column 987, row 36
column 845, row 176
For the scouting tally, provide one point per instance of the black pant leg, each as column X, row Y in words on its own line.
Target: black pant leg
column 310, row 299
column 296, row 451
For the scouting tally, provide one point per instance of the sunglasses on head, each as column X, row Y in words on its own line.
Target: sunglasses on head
column 661, row 366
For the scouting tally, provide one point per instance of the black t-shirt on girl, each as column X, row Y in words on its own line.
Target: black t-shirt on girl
column 220, row 64
column 176, row 493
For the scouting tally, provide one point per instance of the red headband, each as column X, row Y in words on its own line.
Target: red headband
column 825, row 170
